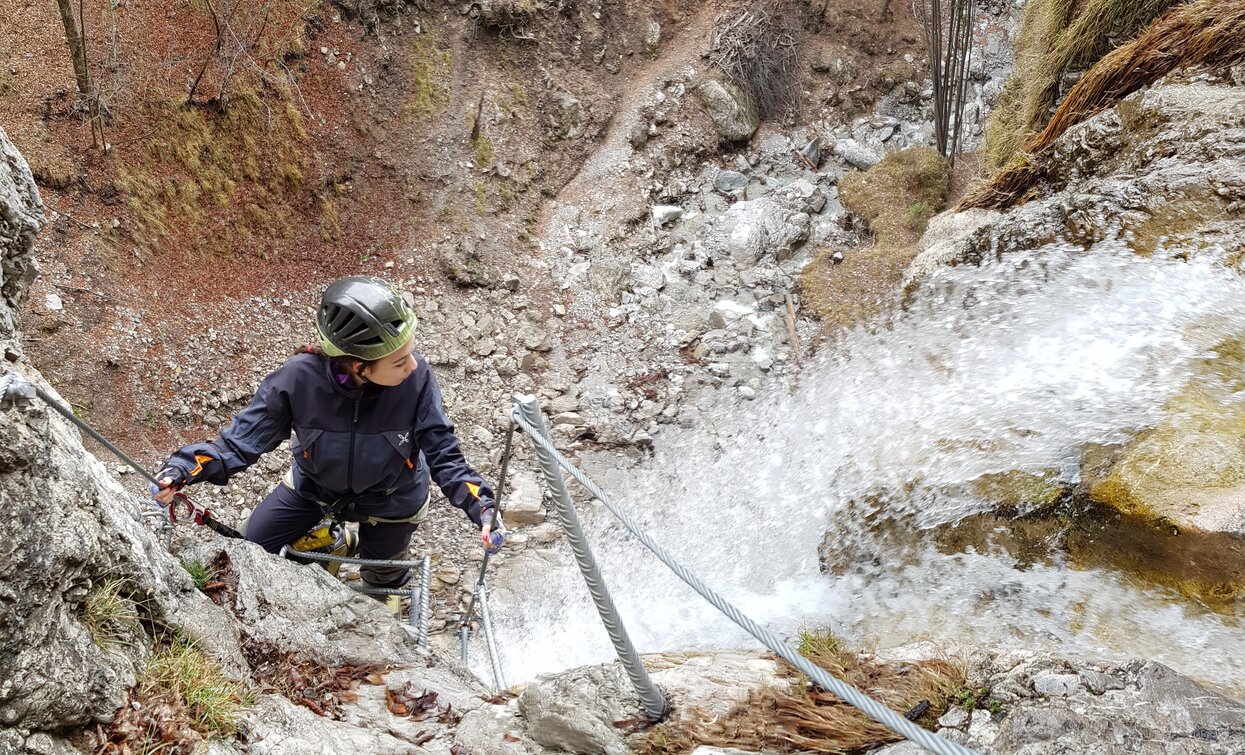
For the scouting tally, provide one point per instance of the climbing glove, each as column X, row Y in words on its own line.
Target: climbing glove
column 176, row 477
column 493, row 538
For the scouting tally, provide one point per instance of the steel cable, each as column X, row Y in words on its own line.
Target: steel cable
column 849, row 694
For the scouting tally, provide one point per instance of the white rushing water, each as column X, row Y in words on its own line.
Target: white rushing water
column 1010, row 366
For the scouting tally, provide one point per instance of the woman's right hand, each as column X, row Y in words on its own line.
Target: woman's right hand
column 170, row 480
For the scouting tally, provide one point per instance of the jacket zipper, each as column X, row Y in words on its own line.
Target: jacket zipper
column 350, row 457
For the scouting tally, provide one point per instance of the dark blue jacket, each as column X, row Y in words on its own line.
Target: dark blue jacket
column 355, row 448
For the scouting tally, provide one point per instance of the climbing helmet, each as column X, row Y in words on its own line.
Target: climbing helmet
column 363, row 317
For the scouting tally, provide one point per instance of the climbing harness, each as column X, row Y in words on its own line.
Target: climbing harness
column 527, row 416
column 479, row 594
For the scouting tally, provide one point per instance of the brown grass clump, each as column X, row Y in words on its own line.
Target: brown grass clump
column 1206, row 32
column 897, row 197
column 807, row 719
column 1056, row 36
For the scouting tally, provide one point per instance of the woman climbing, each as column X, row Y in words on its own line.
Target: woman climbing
column 369, row 431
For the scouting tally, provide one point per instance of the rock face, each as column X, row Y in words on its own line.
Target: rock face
column 733, row 117
column 1161, row 172
column 21, row 217
column 1049, row 705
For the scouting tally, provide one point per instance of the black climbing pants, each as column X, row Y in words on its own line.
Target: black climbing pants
column 285, row 515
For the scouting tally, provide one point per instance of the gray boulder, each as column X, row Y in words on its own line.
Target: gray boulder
column 857, row 154
column 759, row 228
column 735, row 119
column 1147, row 707
column 727, row 181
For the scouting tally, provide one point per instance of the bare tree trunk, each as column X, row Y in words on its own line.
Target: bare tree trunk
column 76, row 36
column 73, row 33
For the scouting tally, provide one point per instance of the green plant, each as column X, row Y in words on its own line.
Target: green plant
column 817, row 641
column 919, row 214
column 184, row 673
column 111, row 616
column 198, row 572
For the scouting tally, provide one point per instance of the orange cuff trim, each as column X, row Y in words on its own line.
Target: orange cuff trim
column 409, row 465
column 200, row 460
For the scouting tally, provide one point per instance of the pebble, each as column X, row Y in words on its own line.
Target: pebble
column 665, row 214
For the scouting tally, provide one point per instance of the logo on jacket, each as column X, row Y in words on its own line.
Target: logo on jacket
column 404, row 438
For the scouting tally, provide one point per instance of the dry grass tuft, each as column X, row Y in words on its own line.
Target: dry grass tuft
column 807, row 719
column 1206, row 32
column 181, row 699
column 1055, row 37
column 198, row 160
column 112, row 618
column 897, row 197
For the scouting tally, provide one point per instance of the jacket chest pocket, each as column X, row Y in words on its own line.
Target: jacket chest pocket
column 403, row 443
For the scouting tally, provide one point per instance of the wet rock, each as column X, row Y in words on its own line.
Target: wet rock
column 726, row 106
column 951, row 237
column 727, row 181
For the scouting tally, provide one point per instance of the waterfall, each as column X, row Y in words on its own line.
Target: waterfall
column 1012, row 365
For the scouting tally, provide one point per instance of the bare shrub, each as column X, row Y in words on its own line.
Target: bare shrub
column 757, row 47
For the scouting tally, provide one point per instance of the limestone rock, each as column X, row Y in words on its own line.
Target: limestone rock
column 574, row 711
column 727, row 181
column 734, row 119
column 1153, row 710
column 857, row 154
column 762, row 227
column 949, row 237
column 665, row 214
column 524, row 500
column 21, row 217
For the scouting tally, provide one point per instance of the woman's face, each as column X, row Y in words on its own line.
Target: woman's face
column 394, row 368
